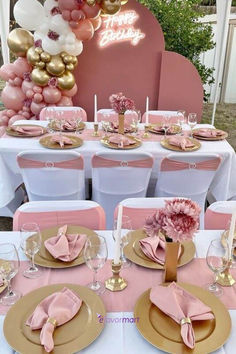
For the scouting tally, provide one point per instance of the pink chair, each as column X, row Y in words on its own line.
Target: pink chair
column 155, row 117
column 218, row 215
column 67, row 112
column 52, row 213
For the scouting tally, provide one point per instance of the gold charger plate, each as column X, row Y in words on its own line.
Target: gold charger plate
column 164, row 333
column 56, row 128
column 45, row 259
column 222, row 137
column 134, row 253
column 73, row 336
column 168, row 146
column 47, row 143
column 176, row 129
column 105, row 142
column 11, row 132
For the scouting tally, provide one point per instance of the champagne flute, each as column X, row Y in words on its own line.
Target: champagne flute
column 9, row 266
column 192, row 121
column 30, row 243
column 181, row 119
column 95, row 256
column 136, row 120
column 217, row 261
column 165, row 123
column 106, row 126
column 51, row 119
column 126, row 232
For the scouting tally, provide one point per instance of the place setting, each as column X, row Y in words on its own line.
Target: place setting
column 61, row 142
column 25, row 130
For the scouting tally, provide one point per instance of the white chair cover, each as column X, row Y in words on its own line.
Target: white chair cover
column 10, row 208
column 66, row 110
column 218, row 215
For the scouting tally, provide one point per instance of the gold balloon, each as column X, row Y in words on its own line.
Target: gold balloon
column 38, row 50
column 110, row 7
column 40, row 77
column 40, row 65
column 32, row 56
column 45, row 57
column 19, row 41
column 63, row 54
column 123, row 2
column 74, row 61
column 70, row 67
column 66, row 81
column 91, row 2
column 67, row 59
column 56, row 67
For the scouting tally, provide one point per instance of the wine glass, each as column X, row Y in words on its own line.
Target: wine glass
column 192, row 121
column 126, row 232
column 217, row 261
column 9, row 266
column 165, row 123
column 95, row 256
column 78, row 120
column 106, row 126
column 181, row 119
column 51, row 119
column 30, row 243
column 136, row 119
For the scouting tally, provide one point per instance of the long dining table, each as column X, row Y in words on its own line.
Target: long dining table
column 223, row 186
column 124, row 338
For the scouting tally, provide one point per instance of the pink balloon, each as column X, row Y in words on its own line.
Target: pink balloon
column 21, row 66
column 7, row 72
column 29, row 93
column 67, row 4
column 73, row 24
column 4, row 121
column 13, row 97
column 10, row 113
column 85, row 30
column 27, row 85
column 77, row 15
column 15, row 118
column 37, row 107
column 71, row 92
column 91, row 11
column 11, row 82
column 66, row 15
column 51, row 94
column 65, row 101
column 37, row 89
column 26, row 109
column 38, row 98
column 26, row 115
column 18, row 81
column 96, row 22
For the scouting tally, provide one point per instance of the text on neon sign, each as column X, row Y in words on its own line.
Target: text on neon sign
column 120, row 28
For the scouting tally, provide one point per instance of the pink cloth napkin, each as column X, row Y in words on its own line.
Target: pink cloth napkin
column 60, row 307
column 179, row 304
column 181, row 142
column 159, row 129
column 61, row 140
column 27, row 130
column 115, row 127
column 121, row 140
column 65, row 247
column 209, row 133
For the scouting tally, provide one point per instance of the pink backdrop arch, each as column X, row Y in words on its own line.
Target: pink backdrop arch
column 169, row 79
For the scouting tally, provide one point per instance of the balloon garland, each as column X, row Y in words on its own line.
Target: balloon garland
column 42, row 75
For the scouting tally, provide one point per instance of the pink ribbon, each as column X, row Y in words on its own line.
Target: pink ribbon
column 172, row 165
column 75, row 164
column 98, row 161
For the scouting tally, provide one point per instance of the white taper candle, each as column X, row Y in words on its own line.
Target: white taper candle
column 147, row 109
column 231, row 232
column 118, row 235
column 95, row 109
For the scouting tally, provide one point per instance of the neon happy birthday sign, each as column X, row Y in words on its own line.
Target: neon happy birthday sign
column 120, row 28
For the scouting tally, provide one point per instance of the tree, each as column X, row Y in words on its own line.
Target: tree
column 183, row 32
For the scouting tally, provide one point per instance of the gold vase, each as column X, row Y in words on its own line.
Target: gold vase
column 121, row 128
column 171, row 261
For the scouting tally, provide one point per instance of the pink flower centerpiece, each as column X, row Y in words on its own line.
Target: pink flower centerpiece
column 178, row 220
column 120, row 103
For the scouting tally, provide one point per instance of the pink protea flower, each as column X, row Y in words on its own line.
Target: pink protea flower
column 155, row 223
column 120, row 103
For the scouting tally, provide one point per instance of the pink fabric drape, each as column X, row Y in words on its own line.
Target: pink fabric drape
column 216, row 221
column 74, row 164
column 173, row 165
column 98, row 161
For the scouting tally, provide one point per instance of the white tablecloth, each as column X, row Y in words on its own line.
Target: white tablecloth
column 223, row 186
column 124, row 338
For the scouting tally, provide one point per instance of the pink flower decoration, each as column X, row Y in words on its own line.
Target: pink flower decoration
column 53, row 82
column 38, row 43
column 55, row 11
column 27, row 102
column 121, row 103
column 53, row 35
column 27, row 76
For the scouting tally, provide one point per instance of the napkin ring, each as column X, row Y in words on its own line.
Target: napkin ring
column 185, row 320
column 52, row 320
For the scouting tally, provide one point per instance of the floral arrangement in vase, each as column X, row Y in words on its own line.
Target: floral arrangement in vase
column 177, row 221
column 120, row 103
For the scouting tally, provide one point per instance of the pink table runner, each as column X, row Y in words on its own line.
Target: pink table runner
column 139, row 279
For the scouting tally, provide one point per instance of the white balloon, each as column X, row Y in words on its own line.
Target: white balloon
column 44, row 27
column 50, row 46
column 75, row 49
column 59, row 25
column 49, row 5
column 71, row 38
column 29, row 14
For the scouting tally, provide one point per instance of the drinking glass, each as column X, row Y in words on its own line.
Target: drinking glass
column 165, row 123
column 78, row 120
column 51, row 119
column 9, row 266
column 192, row 121
column 126, row 232
column 95, row 256
column 106, row 126
column 30, row 243
column 217, row 261
column 135, row 121
column 181, row 119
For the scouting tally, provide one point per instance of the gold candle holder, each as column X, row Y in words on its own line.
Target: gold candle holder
column 95, row 127
column 116, row 283
column 146, row 135
column 225, row 278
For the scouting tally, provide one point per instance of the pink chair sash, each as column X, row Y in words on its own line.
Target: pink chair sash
column 173, row 165
column 98, row 161
column 93, row 218
column 216, row 221
column 137, row 215
column 74, row 164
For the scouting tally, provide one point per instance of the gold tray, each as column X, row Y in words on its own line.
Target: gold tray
column 164, row 333
column 177, row 129
column 45, row 259
column 56, row 128
column 222, row 137
column 11, row 132
column 134, row 253
column 106, row 143
column 168, row 146
column 46, row 142
column 73, row 336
